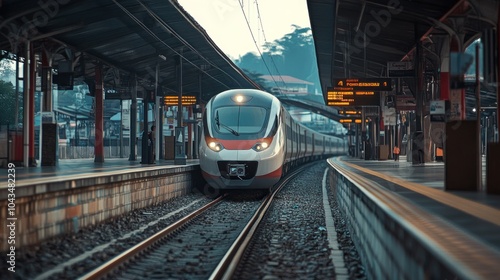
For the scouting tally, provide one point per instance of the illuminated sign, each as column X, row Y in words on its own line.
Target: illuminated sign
column 349, row 112
column 347, row 121
column 359, row 84
column 187, row 100
column 352, row 98
column 118, row 93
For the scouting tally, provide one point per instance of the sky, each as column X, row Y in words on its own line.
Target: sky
column 225, row 23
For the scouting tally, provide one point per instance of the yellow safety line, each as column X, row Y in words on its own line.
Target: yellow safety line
column 473, row 208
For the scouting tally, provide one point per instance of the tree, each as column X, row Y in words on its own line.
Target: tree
column 292, row 55
column 7, row 70
column 8, row 101
column 8, row 91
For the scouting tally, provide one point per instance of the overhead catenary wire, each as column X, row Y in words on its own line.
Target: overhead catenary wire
column 256, row 45
column 265, row 40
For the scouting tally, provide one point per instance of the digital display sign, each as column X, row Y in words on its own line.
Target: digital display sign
column 359, row 84
column 349, row 112
column 350, row 121
column 352, row 98
column 187, row 100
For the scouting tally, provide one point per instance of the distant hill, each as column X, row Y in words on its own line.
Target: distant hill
column 292, row 55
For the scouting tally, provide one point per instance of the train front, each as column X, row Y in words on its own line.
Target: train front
column 242, row 145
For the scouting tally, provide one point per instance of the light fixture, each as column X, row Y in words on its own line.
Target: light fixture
column 261, row 146
column 216, row 147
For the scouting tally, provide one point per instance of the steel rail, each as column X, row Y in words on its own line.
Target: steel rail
column 227, row 266
column 119, row 260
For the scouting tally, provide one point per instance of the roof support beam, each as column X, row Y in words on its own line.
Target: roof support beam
column 361, row 15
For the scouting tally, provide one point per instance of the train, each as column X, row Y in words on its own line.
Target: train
column 250, row 141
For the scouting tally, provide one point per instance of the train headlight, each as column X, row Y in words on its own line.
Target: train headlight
column 216, row 147
column 260, row 146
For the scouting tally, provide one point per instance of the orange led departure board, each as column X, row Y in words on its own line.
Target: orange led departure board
column 342, row 98
column 368, row 84
column 356, row 120
column 187, row 100
column 349, row 112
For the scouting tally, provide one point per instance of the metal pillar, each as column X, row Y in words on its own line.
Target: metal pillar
column 418, row 140
column 196, row 136
column 31, row 110
column 133, row 123
column 190, row 133
column 356, row 142
column 479, row 166
column 159, row 128
column 26, row 104
column 47, row 72
column 99, row 122
column 180, row 154
column 363, row 130
column 444, row 74
column 121, row 128
column 145, row 128
column 155, row 111
column 418, row 81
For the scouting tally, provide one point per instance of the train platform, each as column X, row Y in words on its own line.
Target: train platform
column 72, row 169
column 472, row 211
column 429, row 174
column 48, row 201
column 458, row 229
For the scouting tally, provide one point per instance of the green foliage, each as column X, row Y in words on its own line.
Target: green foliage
column 8, row 101
column 7, row 70
column 291, row 55
column 8, row 93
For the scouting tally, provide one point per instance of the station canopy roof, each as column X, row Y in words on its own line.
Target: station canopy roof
column 129, row 37
column 357, row 38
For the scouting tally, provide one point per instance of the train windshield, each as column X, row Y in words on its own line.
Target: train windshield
column 240, row 122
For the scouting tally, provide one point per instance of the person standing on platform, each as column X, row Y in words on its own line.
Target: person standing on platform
column 396, row 153
column 151, row 144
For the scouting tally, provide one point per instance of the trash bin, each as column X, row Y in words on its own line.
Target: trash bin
column 383, row 152
column 169, row 147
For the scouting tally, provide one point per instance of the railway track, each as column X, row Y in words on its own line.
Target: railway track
column 207, row 243
column 115, row 265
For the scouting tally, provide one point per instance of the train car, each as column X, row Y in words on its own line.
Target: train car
column 249, row 141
